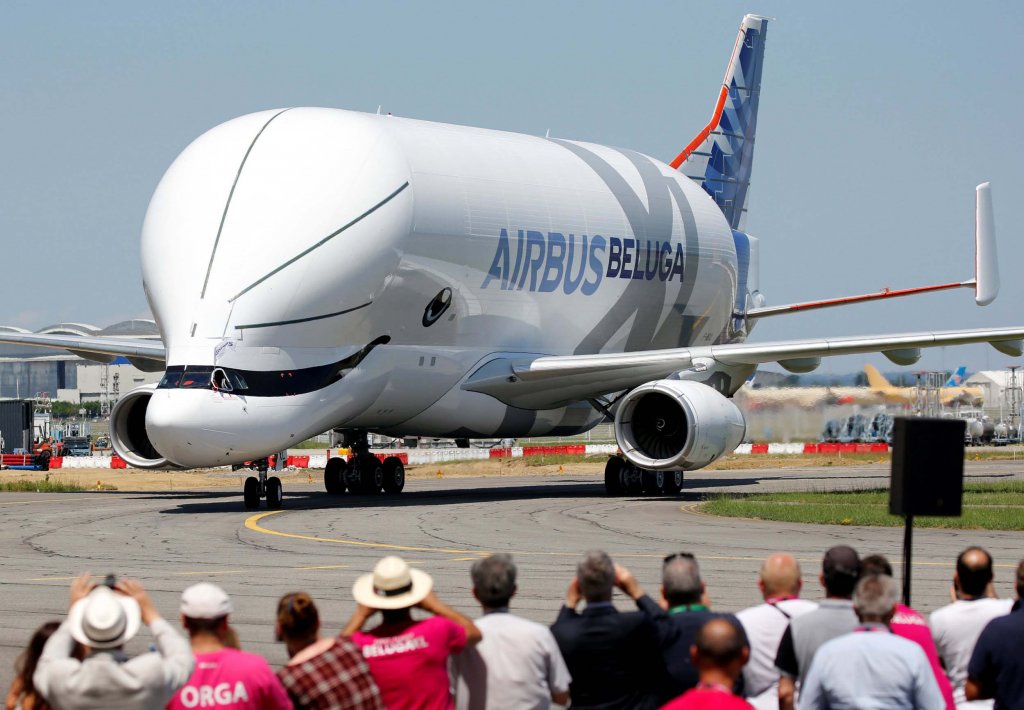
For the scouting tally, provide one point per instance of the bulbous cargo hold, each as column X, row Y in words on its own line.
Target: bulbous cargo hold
column 677, row 425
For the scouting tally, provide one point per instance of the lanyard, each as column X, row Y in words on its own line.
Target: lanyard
column 776, row 600
column 687, row 607
column 716, row 687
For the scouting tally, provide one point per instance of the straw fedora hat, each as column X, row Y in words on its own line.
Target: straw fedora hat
column 104, row 619
column 393, row 584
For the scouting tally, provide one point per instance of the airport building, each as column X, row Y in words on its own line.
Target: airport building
column 29, row 372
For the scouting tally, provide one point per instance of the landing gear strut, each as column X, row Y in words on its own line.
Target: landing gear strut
column 260, row 486
column 623, row 478
column 364, row 473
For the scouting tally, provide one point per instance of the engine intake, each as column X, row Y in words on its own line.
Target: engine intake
column 128, row 434
column 677, row 425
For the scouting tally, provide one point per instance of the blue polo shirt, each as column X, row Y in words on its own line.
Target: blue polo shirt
column 997, row 663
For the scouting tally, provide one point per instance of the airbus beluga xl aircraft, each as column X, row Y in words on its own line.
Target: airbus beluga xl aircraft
column 313, row 269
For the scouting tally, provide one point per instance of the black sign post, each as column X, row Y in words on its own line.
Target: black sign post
column 927, row 476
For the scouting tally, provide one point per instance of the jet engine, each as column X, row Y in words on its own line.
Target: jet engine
column 677, row 425
column 128, row 430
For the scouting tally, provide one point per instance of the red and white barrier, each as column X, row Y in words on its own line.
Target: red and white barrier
column 420, row 457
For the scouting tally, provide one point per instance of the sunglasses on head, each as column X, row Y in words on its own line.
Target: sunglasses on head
column 679, row 555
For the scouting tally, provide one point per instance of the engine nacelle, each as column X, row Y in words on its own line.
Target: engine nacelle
column 677, row 425
column 128, row 430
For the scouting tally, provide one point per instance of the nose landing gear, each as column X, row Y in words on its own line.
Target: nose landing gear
column 260, row 486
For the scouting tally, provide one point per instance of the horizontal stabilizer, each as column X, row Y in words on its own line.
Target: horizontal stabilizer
column 985, row 282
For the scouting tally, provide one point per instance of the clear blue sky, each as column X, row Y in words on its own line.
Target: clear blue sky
column 877, row 120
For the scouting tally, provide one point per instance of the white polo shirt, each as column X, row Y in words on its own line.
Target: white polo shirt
column 517, row 665
column 956, row 628
column 764, row 625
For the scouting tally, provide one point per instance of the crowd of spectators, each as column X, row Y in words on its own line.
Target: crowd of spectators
column 857, row 647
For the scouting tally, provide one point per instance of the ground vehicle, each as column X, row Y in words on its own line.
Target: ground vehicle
column 76, row 446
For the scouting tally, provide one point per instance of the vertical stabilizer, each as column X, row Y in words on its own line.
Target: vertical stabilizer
column 876, row 380
column 720, row 157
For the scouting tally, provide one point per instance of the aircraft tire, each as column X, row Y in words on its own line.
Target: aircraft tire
column 334, row 475
column 371, row 474
column 251, row 493
column 275, row 494
column 652, row 482
column 633, row 480
column 613, row 471
column 673, row 483
column 394, row 475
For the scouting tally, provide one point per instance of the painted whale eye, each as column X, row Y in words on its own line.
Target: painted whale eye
column 437, row 307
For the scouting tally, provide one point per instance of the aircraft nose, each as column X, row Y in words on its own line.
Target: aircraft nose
column 183, row 426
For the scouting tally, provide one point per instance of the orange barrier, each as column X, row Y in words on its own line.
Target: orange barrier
column 759, row 448
column 117, row 462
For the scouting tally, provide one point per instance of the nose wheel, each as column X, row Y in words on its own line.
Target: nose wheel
column 260, row 486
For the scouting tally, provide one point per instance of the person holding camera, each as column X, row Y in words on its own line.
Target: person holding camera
column 103, row 618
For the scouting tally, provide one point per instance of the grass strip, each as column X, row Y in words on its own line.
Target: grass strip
column 986, row 506
column 39, row 487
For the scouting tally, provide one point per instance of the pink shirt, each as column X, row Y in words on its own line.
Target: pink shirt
column 409, row 661
column 914, row 627
column 231, row 679
column 704, row 698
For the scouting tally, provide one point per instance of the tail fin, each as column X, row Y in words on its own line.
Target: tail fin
column 876, row 380
column 721, row 155
column 957, row 378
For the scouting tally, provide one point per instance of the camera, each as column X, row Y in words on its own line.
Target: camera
column 110, row 581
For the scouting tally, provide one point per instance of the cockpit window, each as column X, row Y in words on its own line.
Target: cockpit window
column 171, row 379
column 195, row 380
column 258, row 383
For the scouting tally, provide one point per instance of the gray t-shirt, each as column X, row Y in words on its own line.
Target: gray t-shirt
column 517, row 665
column 832, row 618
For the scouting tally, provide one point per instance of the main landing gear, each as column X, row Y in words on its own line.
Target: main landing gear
column 259, row 486
column 364, row 473
column 623, row 478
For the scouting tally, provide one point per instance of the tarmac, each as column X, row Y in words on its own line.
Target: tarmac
column 320, row 543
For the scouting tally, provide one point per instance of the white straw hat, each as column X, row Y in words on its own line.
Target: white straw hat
column 392, row 585
column 104, row 619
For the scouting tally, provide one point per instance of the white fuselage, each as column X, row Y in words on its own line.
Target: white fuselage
column 281, row 243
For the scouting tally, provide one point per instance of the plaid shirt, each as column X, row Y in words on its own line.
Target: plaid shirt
column 337, row 678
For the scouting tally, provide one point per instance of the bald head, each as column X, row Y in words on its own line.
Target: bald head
column 780, row 576
column 720, row 645
column 973, row 571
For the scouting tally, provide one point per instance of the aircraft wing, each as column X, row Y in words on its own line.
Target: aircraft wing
column 542, row 382
column 145, row 353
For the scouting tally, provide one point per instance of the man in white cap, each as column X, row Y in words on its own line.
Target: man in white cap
column 103, row 618
column 224, row 677
column 408, row 658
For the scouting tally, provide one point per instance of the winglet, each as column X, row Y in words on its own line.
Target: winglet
column 986, row 268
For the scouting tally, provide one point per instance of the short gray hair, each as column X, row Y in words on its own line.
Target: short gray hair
column 876, row 596
column 596, row 575
column 680, row 578
column 494, row 580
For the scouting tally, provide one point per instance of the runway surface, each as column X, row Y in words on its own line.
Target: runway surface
column 321, row 544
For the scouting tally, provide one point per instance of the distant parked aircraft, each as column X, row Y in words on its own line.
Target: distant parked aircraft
column 950, row 393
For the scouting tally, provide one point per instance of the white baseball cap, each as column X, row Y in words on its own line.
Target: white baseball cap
column 205, row 601
column 104, row 618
